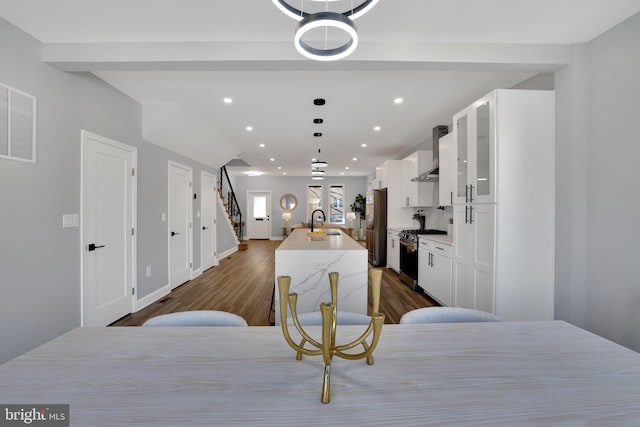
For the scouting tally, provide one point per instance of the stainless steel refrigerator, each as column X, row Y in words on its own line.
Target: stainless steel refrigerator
column 376, row 214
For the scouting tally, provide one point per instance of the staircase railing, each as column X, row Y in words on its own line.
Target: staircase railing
column 231, row 203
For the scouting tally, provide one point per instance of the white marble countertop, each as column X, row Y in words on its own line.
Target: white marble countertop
column 299, row 241
column 445, row 239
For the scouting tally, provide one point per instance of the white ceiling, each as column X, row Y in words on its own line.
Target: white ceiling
column 179, row 58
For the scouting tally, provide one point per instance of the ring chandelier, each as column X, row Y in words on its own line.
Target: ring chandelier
column 327, row 19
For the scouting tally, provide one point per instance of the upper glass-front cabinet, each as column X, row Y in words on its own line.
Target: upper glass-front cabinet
column 475, row 176
column 461, row 137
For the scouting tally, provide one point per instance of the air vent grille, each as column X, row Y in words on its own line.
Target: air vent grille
column 17, row 125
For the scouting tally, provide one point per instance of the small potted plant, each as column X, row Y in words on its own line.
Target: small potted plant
column 359, row 206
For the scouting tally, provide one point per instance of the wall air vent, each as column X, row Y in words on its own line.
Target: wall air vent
column 17, row 125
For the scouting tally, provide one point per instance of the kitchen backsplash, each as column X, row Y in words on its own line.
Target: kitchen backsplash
column 435, row 218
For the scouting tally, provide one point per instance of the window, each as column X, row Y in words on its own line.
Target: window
column 314, row 199
column 336, row 204
column 259, row 207
column 17, row 125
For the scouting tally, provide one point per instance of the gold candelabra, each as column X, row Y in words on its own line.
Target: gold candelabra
column 327, row 346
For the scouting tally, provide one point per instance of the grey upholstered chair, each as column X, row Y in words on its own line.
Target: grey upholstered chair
column 446, row 315
column 197, row 318
column 314, row 318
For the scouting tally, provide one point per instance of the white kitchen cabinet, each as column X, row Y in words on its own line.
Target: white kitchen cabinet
column 417, row 194
column 398, row 216
column 435, row 270
column 475, row 147
column 504, row 203
column 473, row 244
column 447, row 166
column 393, row 250
column 382, row 175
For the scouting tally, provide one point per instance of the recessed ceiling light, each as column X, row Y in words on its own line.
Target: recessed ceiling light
column 227, row 100
column 363, row 145
column 319, row 101
column 261, row 145
column 346, row 168
column 398, row 100
column 249, row 128
column 317, row 178
column 255, row 173
column 355, row 159
column 284, row 173
column 272, row 159
column 341, row 173
column 376, row 128
column 279, row 167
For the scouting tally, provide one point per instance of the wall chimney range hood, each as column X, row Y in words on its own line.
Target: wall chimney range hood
column 434, row 174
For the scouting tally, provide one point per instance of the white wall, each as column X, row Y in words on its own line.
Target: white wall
column 598, row 178
column 39, row 260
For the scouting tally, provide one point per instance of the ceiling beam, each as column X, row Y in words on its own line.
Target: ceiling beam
column 203, row 56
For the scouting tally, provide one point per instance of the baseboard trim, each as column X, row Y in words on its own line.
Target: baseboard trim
column 152, row 297
column 227, row 253
column 195, row 273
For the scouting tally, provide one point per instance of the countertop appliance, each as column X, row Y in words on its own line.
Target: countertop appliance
column 409, row 255
column 376, row 215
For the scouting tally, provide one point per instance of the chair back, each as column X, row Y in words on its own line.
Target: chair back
column 447, row 315
column 197, row 318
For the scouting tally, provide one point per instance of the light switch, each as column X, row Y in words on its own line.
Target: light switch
column 148, row 271
column 70, row 220
column 164, row 216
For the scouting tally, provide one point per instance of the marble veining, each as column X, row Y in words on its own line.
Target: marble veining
column 309, row 264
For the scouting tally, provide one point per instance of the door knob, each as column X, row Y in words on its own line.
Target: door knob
column 173, row 233
column 93, row 247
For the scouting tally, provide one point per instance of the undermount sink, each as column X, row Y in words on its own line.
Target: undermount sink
column 333, row 233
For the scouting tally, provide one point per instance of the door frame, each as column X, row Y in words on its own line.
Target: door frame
column 203, row 175
column 250, row 194
column 84, row 135
column 189, row 215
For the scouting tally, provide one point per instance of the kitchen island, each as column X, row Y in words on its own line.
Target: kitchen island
column 309, row 263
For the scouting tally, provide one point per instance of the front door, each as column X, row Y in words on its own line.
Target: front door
column 208, row 209
column 108, row 238
column 259, row 214
column 180, row 208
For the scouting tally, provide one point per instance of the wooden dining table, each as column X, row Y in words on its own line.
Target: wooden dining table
column 462, row 374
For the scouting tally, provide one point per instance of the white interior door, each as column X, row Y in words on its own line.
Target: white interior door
column 259, row 214
column 108, row 221
column 208, row 220
column 180, row 214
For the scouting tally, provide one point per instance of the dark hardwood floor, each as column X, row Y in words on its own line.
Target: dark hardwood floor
column 243, row 284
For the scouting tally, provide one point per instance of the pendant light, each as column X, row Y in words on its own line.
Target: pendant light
column 317, row 163
column 328, row 19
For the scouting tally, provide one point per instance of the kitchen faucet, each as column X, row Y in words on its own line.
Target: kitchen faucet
column 313, row 213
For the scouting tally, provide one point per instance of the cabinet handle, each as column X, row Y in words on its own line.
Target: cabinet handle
column 407, row 202
column 451, row 198
column 466, row 194
column 471, row 193
column 466, row 214
column 470, row 214
column 437, row 247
